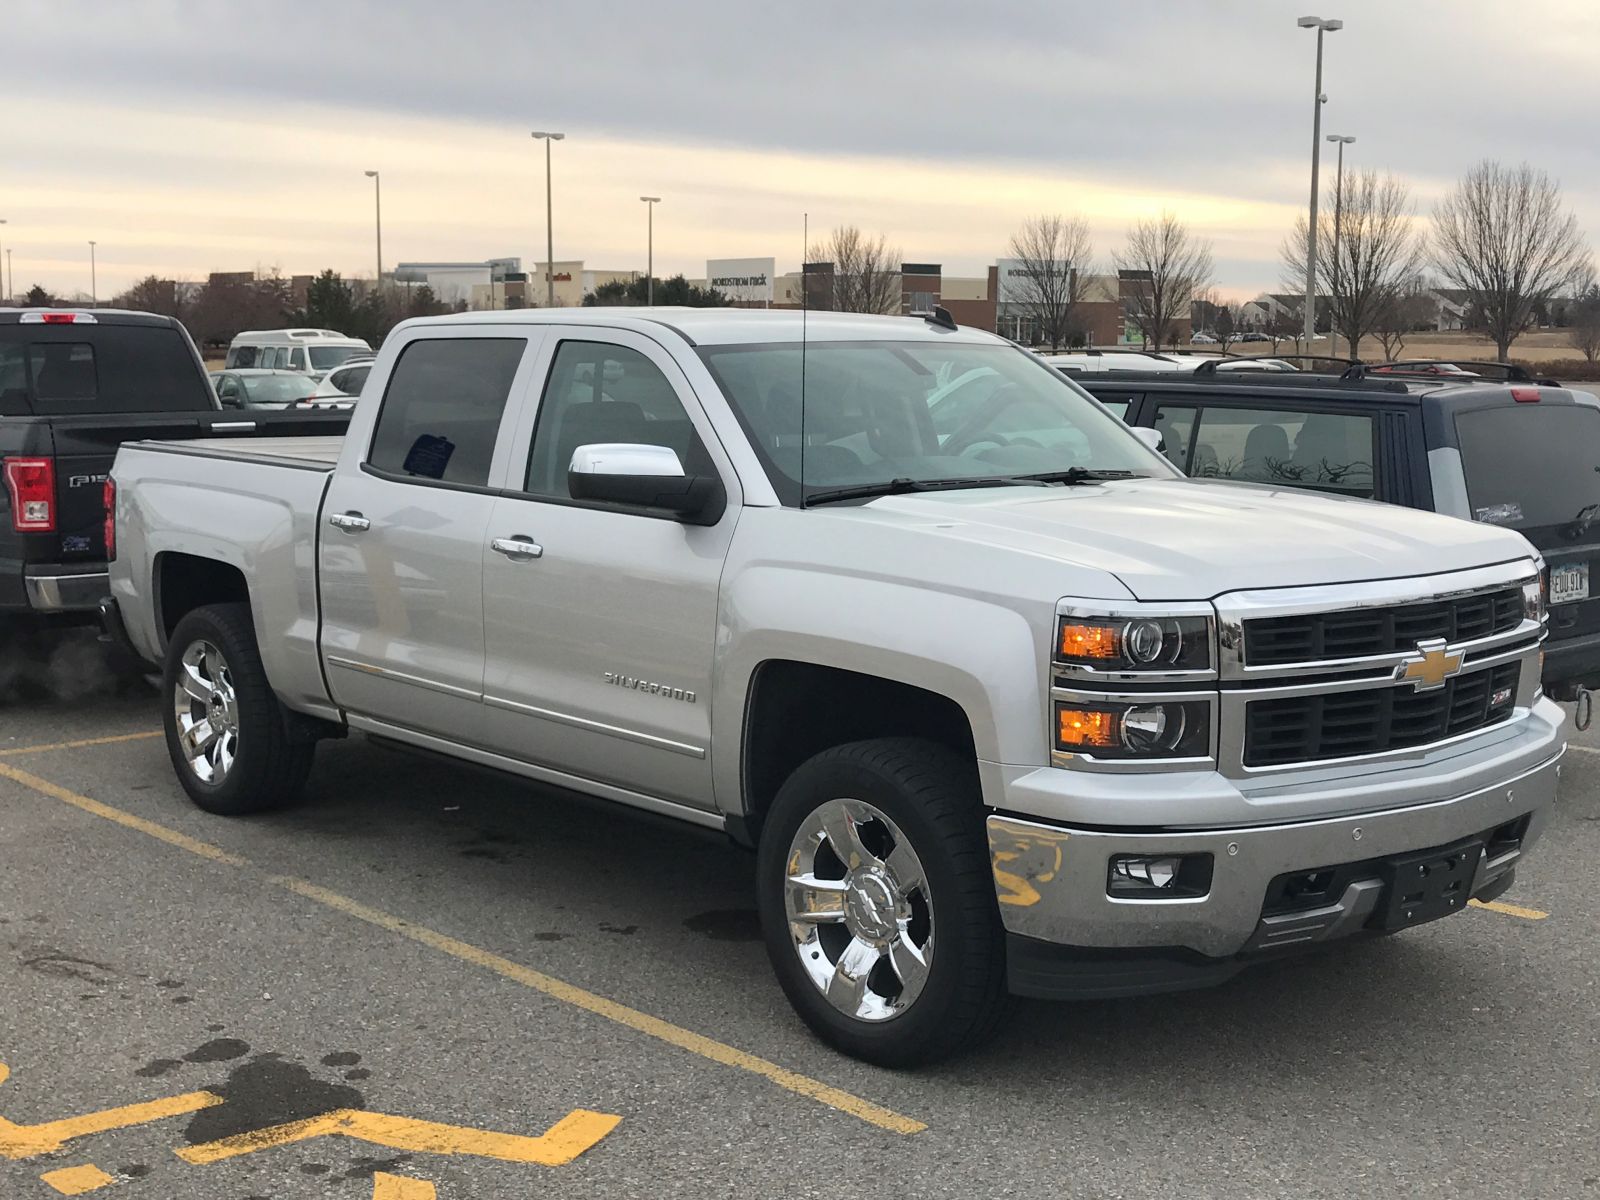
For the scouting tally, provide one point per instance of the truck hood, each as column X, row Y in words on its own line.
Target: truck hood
column 1183, row 539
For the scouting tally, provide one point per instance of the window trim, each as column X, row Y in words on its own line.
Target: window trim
column 510, row 413
column 682, row 388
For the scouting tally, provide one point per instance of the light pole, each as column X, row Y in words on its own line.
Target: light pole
column 549, row 220
column 1322, row 27
column 94, row 285
column 1338, row 212
column 11, row 277
column 2, row 278
column 377, row 201
column 650, row 203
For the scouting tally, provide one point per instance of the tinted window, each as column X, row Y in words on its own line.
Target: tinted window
column 1530, row 464
column 601, row 393
column 326, row 357
column 242, row 356
column 1328, row 452
column 1120, row 407
column 297, row 358
column 442, row 410
column 104, row 369
column 1176, row 426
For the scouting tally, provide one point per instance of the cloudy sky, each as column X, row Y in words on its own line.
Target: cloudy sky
column 188, row 136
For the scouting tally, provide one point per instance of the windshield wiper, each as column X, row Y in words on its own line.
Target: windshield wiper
column 896, row 487
column 1074, row 475
column 1579, row 525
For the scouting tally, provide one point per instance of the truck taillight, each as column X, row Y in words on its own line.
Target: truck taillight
column 32, row 484
column 110, row 497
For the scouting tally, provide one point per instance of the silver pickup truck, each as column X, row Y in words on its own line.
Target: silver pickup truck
column 1002, row 701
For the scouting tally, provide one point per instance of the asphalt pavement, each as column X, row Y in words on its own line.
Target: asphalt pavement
column 431, row 982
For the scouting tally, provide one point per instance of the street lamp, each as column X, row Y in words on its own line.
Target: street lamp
column 1321, row 26
column 549, row 220
column 650, row 203
column 2, row 277
column 1338, row 212
column 377, row 200
column 94, row 286
column 11, row 277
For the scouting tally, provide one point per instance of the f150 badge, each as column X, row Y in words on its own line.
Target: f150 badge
column 644, row 685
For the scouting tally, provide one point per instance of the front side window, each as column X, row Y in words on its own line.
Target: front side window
column 863, row 414
column 297, row 358
column 599, row 393
column 1326, row 452
column 441, row 412
column 241, row 357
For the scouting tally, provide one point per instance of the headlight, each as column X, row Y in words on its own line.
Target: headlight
column 1533, row 599
column 1157, row 729
column 1135, row 643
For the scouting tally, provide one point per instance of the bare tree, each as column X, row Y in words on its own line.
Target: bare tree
column 1403, row 311
column 1505, row 237
column 153, row 295
column 1584, row 313
column 866, row 271
column 1365, row 267
column 1052, row 273
column 1160, row 269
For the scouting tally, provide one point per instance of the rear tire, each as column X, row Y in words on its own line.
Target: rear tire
column 898, row 955
column 227, row 733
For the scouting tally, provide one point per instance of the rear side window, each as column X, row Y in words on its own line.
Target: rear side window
column 1326, row 452
column 441, row 412
column 81, row 369
column 1530, row 465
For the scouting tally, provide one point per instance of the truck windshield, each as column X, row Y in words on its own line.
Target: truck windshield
column 1530, row 465
column 915, row 412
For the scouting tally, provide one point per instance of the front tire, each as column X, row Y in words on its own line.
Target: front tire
column 227, row 733
column 877, row 902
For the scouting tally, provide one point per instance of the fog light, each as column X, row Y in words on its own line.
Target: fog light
column 1158, row 876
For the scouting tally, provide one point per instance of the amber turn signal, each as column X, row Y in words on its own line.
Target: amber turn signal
column 1087, row 728
column 1089, row 641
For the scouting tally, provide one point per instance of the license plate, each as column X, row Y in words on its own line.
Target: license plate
column 1429, row 885
column 1569, row 582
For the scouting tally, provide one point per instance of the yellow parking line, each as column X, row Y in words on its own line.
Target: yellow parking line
column 77, row 1181
column 557, row 989
column 1510, row 910
column 99, row 741
column 1584, row 749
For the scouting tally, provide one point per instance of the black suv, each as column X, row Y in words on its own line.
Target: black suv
column 74, row 385
column 1514, row 452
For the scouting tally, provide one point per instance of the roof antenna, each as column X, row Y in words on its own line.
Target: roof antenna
column 805, row 304
column 941, row 317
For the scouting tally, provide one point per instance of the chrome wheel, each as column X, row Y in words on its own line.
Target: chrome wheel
column 859, row 910
column 207, row 711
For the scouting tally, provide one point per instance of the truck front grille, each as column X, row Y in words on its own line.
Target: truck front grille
column 1344, row 724
column 1364, row 632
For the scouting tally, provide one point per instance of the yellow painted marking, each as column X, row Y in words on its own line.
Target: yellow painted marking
column 1511, row 910
column 569, row 1137
column 126, row 819
column 75, row 1181
column 28, row 1141
column 1584, row 749
column 396, row 1187
column 99, row 741
column 684, row 1039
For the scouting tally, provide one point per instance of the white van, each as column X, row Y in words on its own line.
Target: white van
column 315, row 351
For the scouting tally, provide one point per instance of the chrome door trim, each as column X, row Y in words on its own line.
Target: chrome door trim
column 632, row 735
column 433, row 685
column 517, row 766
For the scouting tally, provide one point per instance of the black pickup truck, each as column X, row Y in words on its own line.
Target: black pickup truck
column 1511, row 451
column 74, row 385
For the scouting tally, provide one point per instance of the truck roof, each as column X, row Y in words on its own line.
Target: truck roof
column 89, row 316
column 726, row 326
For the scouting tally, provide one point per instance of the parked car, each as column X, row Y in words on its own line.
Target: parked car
column 253, row 387
column 74, row 385
column 1203, row 339
column 1518, row 455
column 1013, row 706
column 316, row 351
column 1096, row 362
column 343, row 383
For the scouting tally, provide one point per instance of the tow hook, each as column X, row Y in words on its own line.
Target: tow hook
column 1582, row 709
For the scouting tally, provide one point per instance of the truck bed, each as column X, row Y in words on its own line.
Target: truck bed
column 304, row 453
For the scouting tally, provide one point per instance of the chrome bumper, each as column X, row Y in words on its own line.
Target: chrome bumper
column 66, row 591
column 1051, row 879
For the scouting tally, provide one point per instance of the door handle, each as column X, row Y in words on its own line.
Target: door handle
column 519, row 549
column 349, row 522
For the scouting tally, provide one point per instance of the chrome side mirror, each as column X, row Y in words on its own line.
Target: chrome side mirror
column 643, row 476
column 1150, row 437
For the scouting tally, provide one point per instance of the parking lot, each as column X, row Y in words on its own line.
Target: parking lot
column 432, row 982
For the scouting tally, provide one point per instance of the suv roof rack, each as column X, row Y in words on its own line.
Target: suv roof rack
column 1509, row 372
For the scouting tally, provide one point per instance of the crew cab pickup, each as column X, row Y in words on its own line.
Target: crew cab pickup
column 1523, row 454
column 74, row 385
column 1002, row 700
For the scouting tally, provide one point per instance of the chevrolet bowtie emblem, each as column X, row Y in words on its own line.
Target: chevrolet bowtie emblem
column 1432, row 666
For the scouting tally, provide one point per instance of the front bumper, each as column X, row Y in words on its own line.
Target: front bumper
column 1051, row 878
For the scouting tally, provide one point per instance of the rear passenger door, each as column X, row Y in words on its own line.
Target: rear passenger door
column 401, row 551
column 600, row 636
